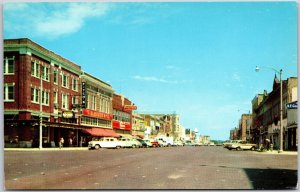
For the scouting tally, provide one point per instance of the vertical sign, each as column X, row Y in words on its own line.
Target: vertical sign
column 83, row 92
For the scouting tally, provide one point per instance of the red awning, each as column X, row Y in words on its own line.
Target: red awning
column 99, row 132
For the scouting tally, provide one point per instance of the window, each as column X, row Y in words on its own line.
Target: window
column 34, row 95
column 93, row 102
column 9, row 65
column 74, row 100
column 9, row 92
column 35, row 69
column 55, row 73
column 45, row 73
column 65, row 101
column 65, row 81
column 55, row 97
column 75, row 84
column 45, row 98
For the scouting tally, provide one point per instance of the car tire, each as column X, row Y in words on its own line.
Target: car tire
column 133, row 146
column 252, row 148
column 118, row 147
column 97, row 147
column 238, row 148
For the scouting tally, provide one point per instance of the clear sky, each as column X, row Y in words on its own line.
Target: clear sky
column 197, row 59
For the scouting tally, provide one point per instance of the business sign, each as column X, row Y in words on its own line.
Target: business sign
column 129, row 107
column 293, row 105
column 68, row 114
column 97, row 114
column 121, row 125
column 83, row 92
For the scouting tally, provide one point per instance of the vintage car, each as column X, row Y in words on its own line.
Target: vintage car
column 230, row 142
column 104, row 142
column 242, row 145
column 129, row 142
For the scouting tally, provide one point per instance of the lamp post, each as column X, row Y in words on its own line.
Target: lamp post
column 41, row 114
column 281, row 127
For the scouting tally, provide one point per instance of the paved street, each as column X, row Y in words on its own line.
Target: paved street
column 154, row 168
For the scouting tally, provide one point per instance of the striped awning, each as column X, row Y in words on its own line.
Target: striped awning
column 101, row 132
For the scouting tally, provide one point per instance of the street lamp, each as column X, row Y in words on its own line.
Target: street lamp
column 281, row 127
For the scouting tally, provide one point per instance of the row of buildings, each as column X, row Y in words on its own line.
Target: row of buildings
column 263, row 124
column 44, row 91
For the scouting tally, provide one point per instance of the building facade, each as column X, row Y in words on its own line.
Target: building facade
column 266, row 114
column 122, row 115
column 39, row 87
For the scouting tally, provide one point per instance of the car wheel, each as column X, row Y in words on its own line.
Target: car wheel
column 133, row 146
column 97, row 146
column 118, row 147
column 252, row 148
column 238, row 149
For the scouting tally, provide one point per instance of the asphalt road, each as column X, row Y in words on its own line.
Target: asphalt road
column 153, row 168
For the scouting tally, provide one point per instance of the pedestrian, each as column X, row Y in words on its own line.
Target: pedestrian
column 61, row 142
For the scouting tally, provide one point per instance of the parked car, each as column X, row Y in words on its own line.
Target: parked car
column 242, row 145
column 126, row 142
column 211, row 144
column 178, row 143
column 162, row 143
column 148, row 142
column 154, row 143
column 104, row 142
column 144, row 144
column 230, row 142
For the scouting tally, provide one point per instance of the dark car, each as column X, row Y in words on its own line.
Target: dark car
column 144, row 144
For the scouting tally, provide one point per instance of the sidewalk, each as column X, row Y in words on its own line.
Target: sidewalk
column 276, row 152
column 47, row 149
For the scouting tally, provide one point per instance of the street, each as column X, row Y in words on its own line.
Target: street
column 189, row 167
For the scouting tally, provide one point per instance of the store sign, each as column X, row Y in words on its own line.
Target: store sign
column 121, row 125
column 68, row 114
column 97, row 114
column 129, row 107
column 293, row 105
column 83, row 98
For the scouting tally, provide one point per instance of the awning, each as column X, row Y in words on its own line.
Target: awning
column 99, row 132
column 126, row 135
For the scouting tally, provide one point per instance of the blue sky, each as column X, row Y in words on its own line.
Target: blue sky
column 197, row 59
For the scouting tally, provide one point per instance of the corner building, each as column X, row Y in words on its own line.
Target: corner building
column 35, row 77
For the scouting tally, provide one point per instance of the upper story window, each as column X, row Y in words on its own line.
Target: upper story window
column 45, row 98
column 65, row 81
column 64, row 101
column 35, row 69
column 55, row 74
column 34, row 95
column 75, row 84
column 9, row 92
column 45, row 73
column 9, row 66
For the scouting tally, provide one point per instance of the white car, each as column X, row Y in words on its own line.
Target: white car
column 162, row 143
column 148, row 142
column 129, row 142
column 104, row 142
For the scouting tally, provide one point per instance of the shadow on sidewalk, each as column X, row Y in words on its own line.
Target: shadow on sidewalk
column 272, row 178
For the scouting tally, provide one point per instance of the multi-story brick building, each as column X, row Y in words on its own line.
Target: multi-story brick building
column 122, row 115
column 266, row 117
column 38, row 83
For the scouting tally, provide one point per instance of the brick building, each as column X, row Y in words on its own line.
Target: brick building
column 266, row 113
column 35, row 77
column 122, row 115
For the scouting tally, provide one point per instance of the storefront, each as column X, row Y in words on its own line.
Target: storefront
column 292, row 126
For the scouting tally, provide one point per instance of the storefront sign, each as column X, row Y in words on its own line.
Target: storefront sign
column 121, row 125
column 83, row 98
column 68, row 114
column 97, row 114
column 293, row 105
column 129, row 107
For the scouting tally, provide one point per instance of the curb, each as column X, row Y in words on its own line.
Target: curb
column 274, row 152
column 47, row 149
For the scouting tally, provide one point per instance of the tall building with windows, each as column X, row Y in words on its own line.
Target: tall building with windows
column 38, row 84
